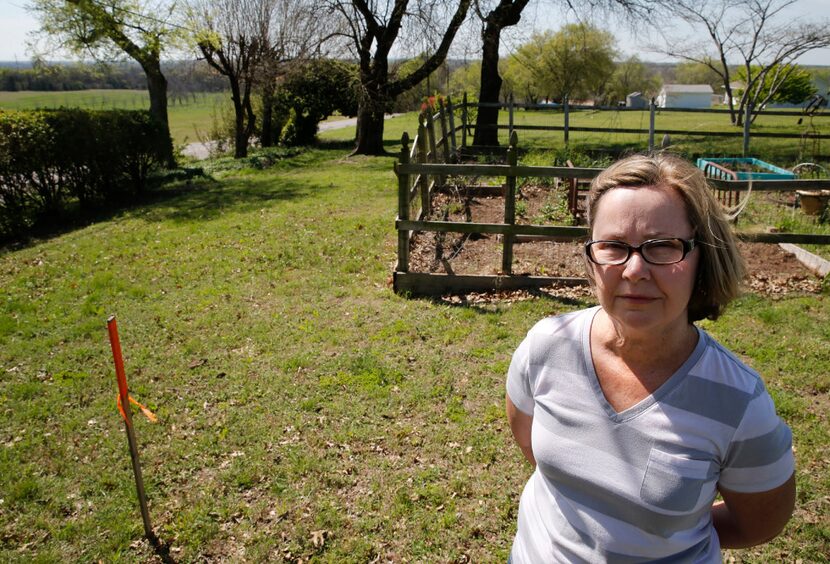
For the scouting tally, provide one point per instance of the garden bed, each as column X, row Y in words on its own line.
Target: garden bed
column 771, row 269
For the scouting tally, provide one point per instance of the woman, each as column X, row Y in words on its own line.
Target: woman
column 634, row 418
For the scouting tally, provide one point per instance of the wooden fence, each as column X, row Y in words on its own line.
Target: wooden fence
column 424, row 167
column 566, row 108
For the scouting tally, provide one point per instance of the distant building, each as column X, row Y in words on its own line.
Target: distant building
column 636, row 100
column 685, row 96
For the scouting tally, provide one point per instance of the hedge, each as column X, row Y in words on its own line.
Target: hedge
column 49, row 158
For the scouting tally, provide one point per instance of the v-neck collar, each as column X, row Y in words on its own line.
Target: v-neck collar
column 648, row 401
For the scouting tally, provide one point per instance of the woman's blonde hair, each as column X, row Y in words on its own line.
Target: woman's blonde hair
column 721, row 268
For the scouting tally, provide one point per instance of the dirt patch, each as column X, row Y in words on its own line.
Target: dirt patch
column 772, row 271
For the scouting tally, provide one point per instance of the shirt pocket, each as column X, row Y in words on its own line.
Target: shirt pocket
column 673, row 482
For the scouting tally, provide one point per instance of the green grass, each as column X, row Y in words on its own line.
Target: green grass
column 305, row 411
column 783, row 152
column 191, row 118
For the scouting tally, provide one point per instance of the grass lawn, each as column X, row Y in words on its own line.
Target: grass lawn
column 305, row 411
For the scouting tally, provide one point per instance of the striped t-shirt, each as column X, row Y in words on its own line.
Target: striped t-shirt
column 637, row 485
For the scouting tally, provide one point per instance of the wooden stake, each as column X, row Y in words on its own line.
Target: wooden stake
column 124, row 405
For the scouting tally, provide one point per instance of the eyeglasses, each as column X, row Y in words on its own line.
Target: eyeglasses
column 653, row 251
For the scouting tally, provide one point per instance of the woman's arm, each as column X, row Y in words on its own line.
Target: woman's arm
column 520, row 424
column 747, row 519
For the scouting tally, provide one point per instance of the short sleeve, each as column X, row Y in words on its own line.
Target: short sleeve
column 760, row 457
column 518, row 378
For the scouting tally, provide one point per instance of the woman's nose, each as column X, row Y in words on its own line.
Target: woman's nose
column 636, row 268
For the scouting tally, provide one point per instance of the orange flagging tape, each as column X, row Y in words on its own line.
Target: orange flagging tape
column 147, row 413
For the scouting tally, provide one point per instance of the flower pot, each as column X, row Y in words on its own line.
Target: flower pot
column 813, row 201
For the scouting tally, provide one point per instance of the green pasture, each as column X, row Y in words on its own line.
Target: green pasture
column 192, row 116
column 784, row 152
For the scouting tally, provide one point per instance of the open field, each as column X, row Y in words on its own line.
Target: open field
column 785, row 152
column 191, row 118
column 305, row 411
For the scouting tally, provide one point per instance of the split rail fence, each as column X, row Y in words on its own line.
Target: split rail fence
column 426, row 162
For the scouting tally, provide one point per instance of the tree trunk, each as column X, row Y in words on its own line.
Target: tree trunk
column 157, row 87
column 505, row 14
column 486, row 133
column 369, row 130
column 240, row 137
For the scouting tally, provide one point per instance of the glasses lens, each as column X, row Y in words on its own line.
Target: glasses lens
column 663, row 251
column 609, row 252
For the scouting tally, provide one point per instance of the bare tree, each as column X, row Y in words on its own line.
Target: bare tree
column 751, row 33
column 252, row 40
column 373, row 29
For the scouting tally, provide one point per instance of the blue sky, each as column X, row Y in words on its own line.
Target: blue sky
column 15, row 23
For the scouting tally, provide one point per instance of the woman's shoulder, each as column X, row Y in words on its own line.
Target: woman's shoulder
column 722, row 365
column 569, row 323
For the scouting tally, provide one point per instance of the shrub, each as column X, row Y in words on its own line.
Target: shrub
column 48, row 157
column 309, row 93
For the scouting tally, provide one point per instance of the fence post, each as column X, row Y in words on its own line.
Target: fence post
column 451, row 110
column 403, row 208
column 445, row 141
column 510, row 118
column 464, row 118
column 432, row 157
column 747, row 120
column 651, row 106
column 510, row 205
column 567, row 116
column 424, row 177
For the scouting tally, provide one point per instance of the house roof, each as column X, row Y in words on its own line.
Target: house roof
column 687, row 89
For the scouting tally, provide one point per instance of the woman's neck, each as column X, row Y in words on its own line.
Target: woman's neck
column 672, row 343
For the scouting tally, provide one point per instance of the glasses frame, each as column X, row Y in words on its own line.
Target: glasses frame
column 688, row 246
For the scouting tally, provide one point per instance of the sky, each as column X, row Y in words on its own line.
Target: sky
column 16, row 23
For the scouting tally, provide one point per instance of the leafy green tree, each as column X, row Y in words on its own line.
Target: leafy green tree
column 576, row 62
column 103, row 31
column 783, row 84
column 466, row 79
column 692, row 72
column 630, row 76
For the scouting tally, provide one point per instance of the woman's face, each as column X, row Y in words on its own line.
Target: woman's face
column 641, row 297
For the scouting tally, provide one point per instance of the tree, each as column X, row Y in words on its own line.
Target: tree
column 630, row 76
column 309, row 93
column 575, row 62
column 436, row 81
column 746, row 33
column 690, row 72
column 106, row 30
column 373, row 29
column 506, row 13
column 795, row 85
column 466, row 79
column 253, row 40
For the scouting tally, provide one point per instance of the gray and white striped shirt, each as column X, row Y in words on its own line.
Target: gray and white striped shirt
column 637, row 485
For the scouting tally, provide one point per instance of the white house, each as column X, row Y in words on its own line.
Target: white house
column 685, row 96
